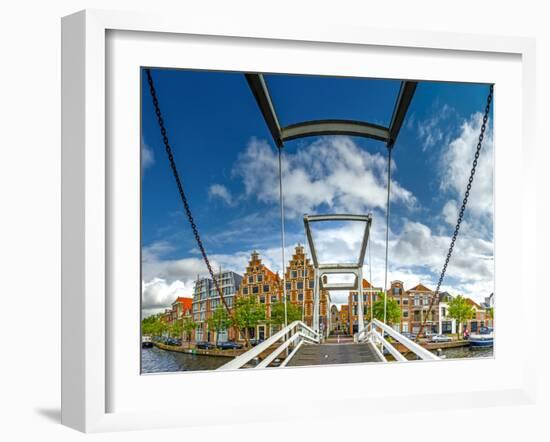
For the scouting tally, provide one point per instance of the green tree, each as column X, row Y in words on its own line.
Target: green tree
column 219, row 321
column 393, row 310
column 293, row 311
column 153, row 325
column 188, row 325
column 248, row 313
column 148, row 325
column 176, row 329
column 461, row 311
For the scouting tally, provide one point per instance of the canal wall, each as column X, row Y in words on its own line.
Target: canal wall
column 215, row 352
column 432, row 345
column 198, row 351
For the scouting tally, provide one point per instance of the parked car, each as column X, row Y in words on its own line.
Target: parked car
column 411, row 336
column 229, row 345
column 254, row 342
column 440, row 338
column 172, row 341
column 203, row 345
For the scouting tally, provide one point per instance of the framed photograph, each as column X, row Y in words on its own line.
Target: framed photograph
column 265, row 209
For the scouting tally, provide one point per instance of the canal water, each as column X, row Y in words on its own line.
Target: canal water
column 467, row 352
column 460, row 353
column 155, row 360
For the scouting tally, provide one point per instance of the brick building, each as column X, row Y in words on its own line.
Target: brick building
column 353, row 304
column 181, row 307
column 300, row 282
column 334, row 319
column 266, row 286
column 480, row 319
column 344, row 318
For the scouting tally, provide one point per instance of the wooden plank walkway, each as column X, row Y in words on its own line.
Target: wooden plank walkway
column 327, row 354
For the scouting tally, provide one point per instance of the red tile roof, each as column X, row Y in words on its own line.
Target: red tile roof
column 185, row 302
column 420, row 288
column 473, row 303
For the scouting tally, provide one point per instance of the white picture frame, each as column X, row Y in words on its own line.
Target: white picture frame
column 87, row 205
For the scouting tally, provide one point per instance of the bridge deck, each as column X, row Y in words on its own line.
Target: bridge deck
column 326, row 354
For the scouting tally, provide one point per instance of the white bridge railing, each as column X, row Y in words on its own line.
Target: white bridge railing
column 372, row 335
column 294, row 334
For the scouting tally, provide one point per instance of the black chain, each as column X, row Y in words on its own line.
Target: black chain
column 180, row 186
column 463, row 207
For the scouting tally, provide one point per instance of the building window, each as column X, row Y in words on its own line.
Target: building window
column 300, row 296
column 266, row 288
column 262, row 299
column 255, row 290
column 294, row 274
column 261, row 332
column 405, row 301
column 311, row 284
column 405, row 313
column 273, row 299
column 259, row 278
column 250, row 279
column 245, row 291
column 288, row 286
column 396, row 291
column 300, row 285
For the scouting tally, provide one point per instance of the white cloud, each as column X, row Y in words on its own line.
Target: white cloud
column 456, row 164
column 416, row 255
column 430, row 131
column 158, row 294
column 332, row 172
column 147, row 156
column 221, row 192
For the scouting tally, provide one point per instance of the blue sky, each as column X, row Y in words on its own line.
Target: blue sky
column 227, row 162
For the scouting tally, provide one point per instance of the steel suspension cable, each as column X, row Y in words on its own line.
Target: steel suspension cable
column 390, row 148
column 462, row 207
column 304, row 270
column 371, row 284
column 281, row 204
column 179, row 185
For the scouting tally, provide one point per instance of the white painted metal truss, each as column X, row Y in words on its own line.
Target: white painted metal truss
column 371, row 334
column 294, row 334
column 321, row 269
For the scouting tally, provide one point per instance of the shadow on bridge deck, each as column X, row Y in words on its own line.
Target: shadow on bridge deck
column 326, row 354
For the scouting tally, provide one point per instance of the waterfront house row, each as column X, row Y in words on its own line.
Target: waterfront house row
column 415, row 309
column 266, row 287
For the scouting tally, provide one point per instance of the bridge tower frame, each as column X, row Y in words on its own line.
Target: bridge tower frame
column 321, row 269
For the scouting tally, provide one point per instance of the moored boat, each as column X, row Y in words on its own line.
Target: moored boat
column 146, row 342
column 484, row 338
